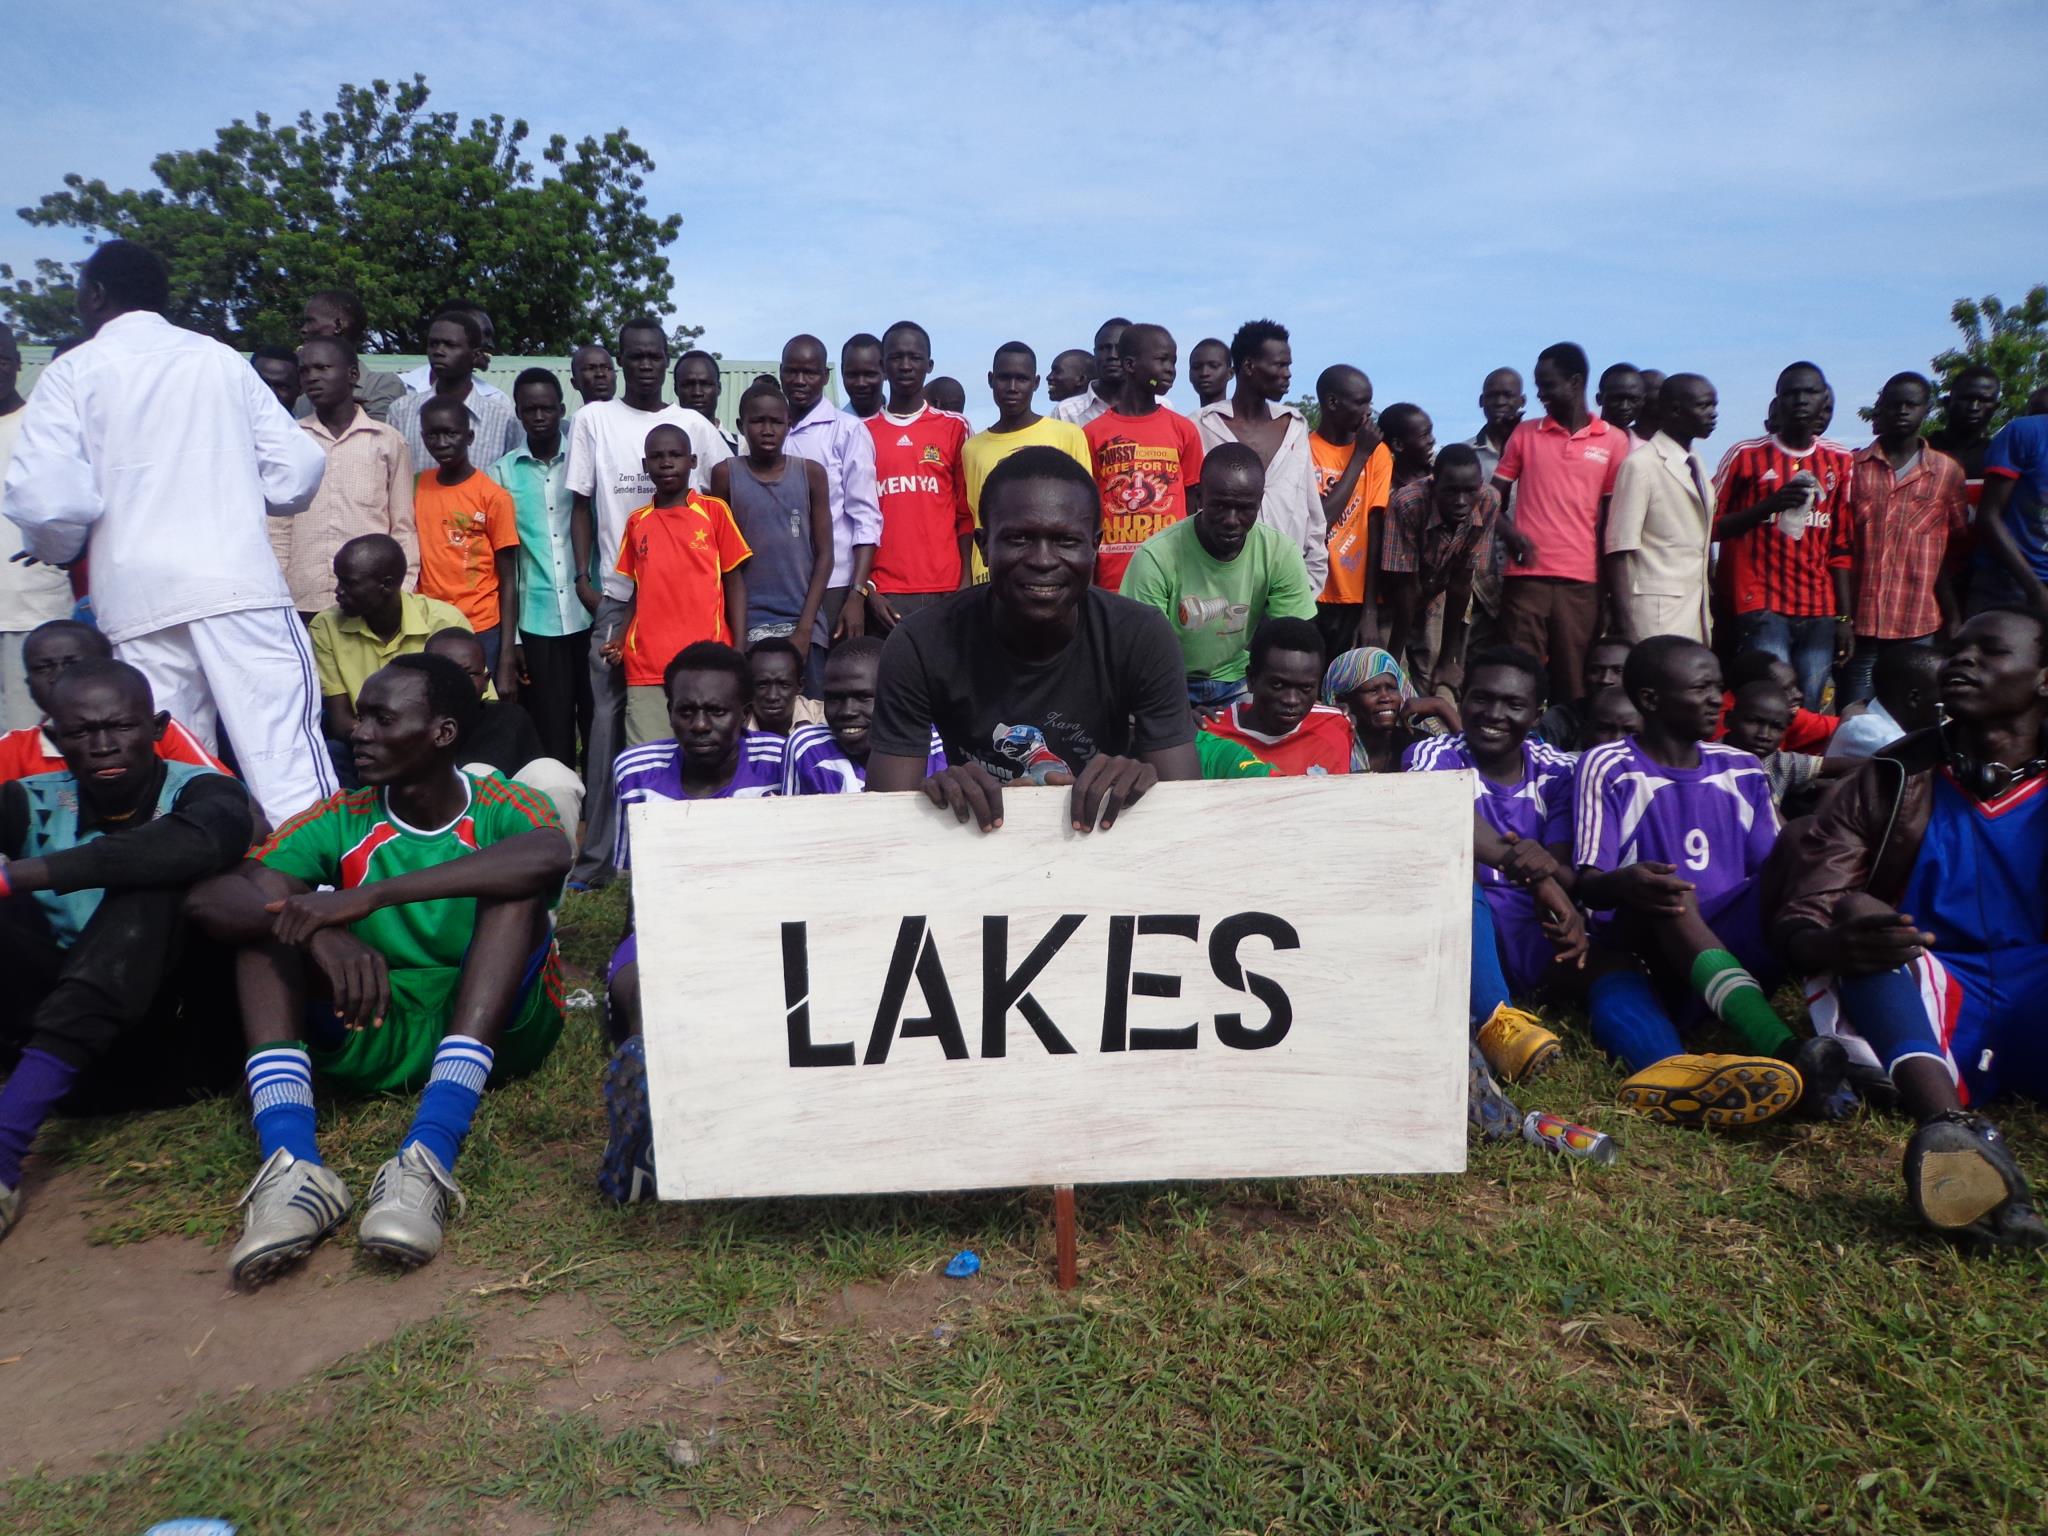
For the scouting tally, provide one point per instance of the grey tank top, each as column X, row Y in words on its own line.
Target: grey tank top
column 775, row 520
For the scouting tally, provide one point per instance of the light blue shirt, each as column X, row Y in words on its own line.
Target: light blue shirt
column 548, row 604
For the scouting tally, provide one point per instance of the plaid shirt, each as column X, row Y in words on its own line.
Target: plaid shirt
column 1415, row 541
column 1906, row 530
column 1762, row 568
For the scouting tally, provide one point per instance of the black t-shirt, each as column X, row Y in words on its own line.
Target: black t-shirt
column 1969, row 455
column 504, row 736
column 1117, row 688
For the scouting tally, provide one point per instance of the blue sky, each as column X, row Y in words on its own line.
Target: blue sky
column 1426, row 190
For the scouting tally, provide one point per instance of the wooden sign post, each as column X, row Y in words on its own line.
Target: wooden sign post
column 856, row 994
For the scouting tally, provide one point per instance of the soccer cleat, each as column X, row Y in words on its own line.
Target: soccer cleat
column 1491, row 1113
column 1723, row 1093
column 292, row 1206
column 1823, row 1066
column 10, row 1209
column 1516, row 1044
column 1961, row 1180
column 409, row 1208
column 627, row 1173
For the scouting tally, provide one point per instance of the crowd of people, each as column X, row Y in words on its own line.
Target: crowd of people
column 322, row 684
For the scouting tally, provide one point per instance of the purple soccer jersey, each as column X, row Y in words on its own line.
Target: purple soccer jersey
column 1539, row 810
column 815, row 765
column 655, row 772
column 1715, row 824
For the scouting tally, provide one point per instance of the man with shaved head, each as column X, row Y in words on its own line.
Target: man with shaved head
column 1101, row 394
column 1660, row 522
column 824, row 434
column 592, row 373
column 373, row 619
column 101, row 1005
column 1070, row 374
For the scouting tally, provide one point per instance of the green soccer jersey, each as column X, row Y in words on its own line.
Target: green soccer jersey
column 351, row 839
column 1228, row 759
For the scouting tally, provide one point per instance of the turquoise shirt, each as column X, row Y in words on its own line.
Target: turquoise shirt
column 54, row 825
column 548, row 604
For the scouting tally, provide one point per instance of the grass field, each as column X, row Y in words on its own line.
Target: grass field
column 1712, row 1335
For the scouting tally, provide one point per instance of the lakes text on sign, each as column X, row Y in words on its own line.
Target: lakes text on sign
column 856, row 994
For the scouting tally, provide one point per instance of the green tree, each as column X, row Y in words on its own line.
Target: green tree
column 2011, row 341
column 401, row 205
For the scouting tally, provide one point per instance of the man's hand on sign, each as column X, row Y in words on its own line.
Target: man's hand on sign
column 1106, row 786
column 967, row 789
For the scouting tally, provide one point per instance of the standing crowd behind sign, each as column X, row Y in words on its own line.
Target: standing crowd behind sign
column 321, row 682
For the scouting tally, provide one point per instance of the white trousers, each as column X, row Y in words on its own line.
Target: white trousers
column 251, row 675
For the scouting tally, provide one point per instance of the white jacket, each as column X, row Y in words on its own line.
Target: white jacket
column 154, row 450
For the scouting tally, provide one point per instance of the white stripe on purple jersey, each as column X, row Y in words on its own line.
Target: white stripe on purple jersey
column 1537, row 810
column 654, row 771
column 1715, row 823
column 815, row 765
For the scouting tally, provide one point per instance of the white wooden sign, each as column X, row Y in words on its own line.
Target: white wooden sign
column 856, row 994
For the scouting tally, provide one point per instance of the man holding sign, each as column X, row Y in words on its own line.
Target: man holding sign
column 1039, row 675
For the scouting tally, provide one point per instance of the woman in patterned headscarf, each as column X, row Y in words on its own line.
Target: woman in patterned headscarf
column 1387, row 717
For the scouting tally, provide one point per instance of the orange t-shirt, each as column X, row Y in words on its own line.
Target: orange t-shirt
column 461, row 529
column 678, row 558
column 1351, row 534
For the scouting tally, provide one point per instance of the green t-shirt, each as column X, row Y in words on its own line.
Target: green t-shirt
column 351, row 839
column 1215, row 605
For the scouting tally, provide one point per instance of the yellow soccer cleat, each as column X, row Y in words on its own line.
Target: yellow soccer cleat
column 1516, row 1045
column 1723, row 1093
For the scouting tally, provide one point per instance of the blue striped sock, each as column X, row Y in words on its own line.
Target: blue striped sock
column 448, row 1103
column 281, row 1100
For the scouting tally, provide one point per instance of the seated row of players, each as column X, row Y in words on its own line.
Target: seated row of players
column 1918, row 894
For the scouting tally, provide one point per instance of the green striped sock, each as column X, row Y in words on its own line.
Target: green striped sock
column 1739, row 1002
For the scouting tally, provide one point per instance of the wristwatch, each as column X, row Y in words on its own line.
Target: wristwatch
column 865, row 589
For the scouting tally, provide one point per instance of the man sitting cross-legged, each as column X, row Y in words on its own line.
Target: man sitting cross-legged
column 104, row 1002
column 709, row 755
column 1671, row 831
column 1920, row 888
column 430, row 966
column 832, row 759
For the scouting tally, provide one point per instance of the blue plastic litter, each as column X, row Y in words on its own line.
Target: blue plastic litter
column 963, row 1264
column 191, row 1528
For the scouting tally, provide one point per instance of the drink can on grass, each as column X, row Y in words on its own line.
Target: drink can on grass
column 1572, row 1140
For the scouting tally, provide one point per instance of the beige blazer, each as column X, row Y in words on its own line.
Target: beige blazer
column 1662, row 517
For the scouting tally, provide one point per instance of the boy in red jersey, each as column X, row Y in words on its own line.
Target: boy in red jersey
column 1782, row 516
column 1280, row 723
column 926, row 523
column 683, row 552
column 1146, row 454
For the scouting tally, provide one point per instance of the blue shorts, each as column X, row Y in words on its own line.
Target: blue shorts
column 1527, row 957
column 1982, row 1015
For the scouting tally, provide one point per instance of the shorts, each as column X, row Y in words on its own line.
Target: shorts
column 1527, row 957
column 1982, row 1013
column 398, row 1057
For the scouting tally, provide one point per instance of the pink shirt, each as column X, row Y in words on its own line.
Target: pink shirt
column 1560, row 478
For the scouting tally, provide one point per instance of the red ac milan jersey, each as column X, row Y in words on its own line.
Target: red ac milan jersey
column 923, row 494
column 1763, row 567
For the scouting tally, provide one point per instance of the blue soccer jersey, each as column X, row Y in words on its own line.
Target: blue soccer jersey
column 1715, row 823
column 814, row 765
column 654, row 771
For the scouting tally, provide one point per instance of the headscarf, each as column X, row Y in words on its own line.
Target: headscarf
column 1355, row 667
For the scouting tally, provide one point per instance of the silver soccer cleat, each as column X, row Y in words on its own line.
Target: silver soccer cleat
column 409, row 1207
column 292, row 1206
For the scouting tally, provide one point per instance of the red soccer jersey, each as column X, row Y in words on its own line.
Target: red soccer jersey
column 678, row 558
column 1320, row 744
column 922, row 489
column 1763, row 568
column 27, row 752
